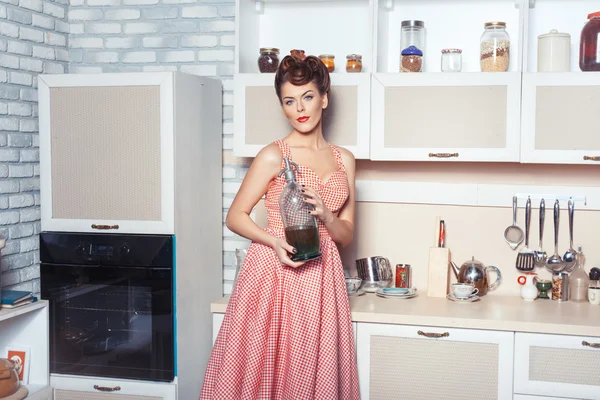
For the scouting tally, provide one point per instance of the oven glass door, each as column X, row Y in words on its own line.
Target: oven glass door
column 110, row 321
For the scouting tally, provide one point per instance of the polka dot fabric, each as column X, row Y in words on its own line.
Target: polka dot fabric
column 287, row 332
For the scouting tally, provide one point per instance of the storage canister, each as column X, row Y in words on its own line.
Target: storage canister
column 495, row 48
column 451, row 60
column 554, row 52
column 268, row 61
column 412, row 33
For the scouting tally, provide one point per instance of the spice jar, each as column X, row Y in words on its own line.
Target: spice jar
column 329, row 61
column 554, row 52
column 589, row 53
column 353, row 63
column 411, row 60
column 412, row 33
column 495, row 48
column 299, row 54
column 451, row 60
column 268, row 61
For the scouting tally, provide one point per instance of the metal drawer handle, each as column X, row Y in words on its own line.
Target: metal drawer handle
column 94, row 226
column 433, row 335
column 592, row 345
column 443, row 155
column 591, row 158
column 107, row 389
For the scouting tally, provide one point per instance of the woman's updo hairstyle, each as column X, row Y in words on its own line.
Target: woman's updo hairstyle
column 300, row 72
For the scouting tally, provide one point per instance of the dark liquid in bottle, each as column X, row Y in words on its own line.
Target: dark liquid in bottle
column 589, row 53
column 305, row 240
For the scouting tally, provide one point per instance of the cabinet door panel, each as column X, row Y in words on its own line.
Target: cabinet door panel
column 259, row 119
column 451, row 117
column 560, row 118
column 395, row 359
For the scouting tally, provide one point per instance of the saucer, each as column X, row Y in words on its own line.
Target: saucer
column 469, row 299
column 397, row 292
column 359, row 292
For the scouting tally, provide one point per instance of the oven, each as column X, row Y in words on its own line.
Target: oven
column 111, row 304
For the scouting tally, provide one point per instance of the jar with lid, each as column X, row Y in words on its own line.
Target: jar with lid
column 412, row 33
column 297, row 53
column 329, row 61
column 451, row 60
column 353, row 63
column 589, row 52
column 554, row 52
column 411, row 60
column 495, row 48
column 268, row 61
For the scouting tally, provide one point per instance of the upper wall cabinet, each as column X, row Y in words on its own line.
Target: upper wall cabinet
column 559, row 109
column 465, row 116
column 318, row 27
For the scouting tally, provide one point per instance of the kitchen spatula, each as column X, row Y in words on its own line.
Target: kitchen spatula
column 526, row 257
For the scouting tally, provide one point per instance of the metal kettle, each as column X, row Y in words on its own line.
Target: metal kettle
column 475, row 273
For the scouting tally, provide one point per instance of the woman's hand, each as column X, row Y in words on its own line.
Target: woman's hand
column 282, row 249
column 321, row 211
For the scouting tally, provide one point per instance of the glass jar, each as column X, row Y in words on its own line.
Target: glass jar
column 299, row 54
column 589, row 52
column 353, row 63
column 268, row 61
column 411, row 60
column 495, row 48
column 329, row 61
column 451, row 60
column 412, row 33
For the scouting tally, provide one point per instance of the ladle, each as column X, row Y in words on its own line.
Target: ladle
column 571, row 254
column 540, row 255
column 555, row 263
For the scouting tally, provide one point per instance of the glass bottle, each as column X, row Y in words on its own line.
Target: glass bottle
column 589, row 52
column 329, row 61
column 353, row 63
column 301, row 229
column 495, row 48
column 579, row 281
column 268, row 61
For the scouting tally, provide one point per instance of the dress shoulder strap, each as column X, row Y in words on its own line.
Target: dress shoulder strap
column 284, row 148
column 338, row 156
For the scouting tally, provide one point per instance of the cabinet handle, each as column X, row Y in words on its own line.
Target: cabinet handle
column 94, row 226
column 591, row 158
column 443, row 155
column 592, row 345
column 433, row 335
column 107, row 389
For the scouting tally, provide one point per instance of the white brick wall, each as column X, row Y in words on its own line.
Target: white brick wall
column 33, row 39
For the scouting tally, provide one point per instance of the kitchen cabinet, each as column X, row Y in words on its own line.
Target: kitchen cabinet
column 79, row 388
column 560, row 117
column 433, row 363
column 107, row 148
column 557, row 365
column 259, row 119
column 476, row 117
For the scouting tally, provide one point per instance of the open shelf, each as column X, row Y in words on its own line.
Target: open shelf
column 566, row 16
column 448, row 24
column 317, row 27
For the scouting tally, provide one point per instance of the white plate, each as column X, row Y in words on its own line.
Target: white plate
column 359, row 292
column 469, row 299
column 410, row 296
column 397, row 292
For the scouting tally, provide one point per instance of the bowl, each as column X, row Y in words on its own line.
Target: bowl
column 353, row 285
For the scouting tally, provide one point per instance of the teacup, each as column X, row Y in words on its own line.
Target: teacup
column 463, row 290
column 353, row 285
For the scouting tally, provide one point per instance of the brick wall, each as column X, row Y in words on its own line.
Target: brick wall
column 191, row 36
column 33, row 39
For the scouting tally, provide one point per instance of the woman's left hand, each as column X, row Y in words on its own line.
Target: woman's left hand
column 321, row 211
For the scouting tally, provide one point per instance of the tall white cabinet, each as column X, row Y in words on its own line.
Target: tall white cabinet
column 141, row 153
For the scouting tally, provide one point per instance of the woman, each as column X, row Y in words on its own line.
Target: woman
column 287, row 332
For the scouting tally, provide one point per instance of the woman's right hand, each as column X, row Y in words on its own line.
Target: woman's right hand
column 283, row 249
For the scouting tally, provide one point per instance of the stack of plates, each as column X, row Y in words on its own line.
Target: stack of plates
column 397, row 293
column 469, row 299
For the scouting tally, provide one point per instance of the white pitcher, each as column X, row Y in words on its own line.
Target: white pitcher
column 529, row 291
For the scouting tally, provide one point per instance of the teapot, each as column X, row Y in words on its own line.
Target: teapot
column 9, row 377
column 475, row 273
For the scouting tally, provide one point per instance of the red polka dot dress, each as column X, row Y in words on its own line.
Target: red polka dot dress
column 287, row 332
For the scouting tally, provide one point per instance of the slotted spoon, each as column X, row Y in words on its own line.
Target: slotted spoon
column 513, row 234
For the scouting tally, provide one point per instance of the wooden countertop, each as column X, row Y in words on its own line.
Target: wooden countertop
column 491, row 312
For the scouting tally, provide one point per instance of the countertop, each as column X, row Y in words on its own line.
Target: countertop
column 498, row 313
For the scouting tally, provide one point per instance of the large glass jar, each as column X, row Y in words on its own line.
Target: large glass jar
column 301, row 229
column 589, row 52
column 495, row 48
column 268, row 61
column 329, row 61
column 412, row 33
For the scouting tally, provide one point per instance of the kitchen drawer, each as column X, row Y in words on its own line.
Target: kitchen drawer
column 69, row 387
column 432, row 363
column 557, row 365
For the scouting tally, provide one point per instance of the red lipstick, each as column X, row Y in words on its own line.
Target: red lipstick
column 303, row 119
